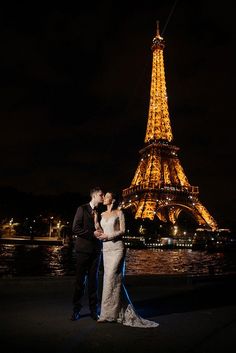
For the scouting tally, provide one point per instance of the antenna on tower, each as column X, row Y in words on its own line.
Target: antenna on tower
column 158, row 29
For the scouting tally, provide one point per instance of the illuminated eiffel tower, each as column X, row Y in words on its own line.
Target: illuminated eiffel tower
column 160, row 187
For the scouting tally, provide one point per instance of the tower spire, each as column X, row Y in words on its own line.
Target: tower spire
column 160, row 187
column 158, row 30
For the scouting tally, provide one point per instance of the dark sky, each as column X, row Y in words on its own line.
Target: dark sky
column 75, row 86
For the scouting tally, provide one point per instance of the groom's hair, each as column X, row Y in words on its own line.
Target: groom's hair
column 94, row 190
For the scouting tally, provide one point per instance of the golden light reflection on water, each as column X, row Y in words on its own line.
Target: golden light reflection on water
column 38, row 260
column 181, row 261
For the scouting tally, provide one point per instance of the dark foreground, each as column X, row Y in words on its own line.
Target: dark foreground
column 195, row 315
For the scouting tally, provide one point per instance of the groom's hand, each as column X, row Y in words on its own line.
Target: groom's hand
column 103, row 237
column 98, row 233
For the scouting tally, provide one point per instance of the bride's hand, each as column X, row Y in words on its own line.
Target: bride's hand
column 103, row 237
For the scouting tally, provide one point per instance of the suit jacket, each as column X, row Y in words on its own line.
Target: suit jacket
column 83, row 227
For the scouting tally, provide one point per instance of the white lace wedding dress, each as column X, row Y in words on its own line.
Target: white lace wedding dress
column 116, row 305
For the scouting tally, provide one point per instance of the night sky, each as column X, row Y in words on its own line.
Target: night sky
column 75, row 84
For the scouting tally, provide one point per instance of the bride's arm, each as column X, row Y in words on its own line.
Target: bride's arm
column 96, row 222
column 121, row 231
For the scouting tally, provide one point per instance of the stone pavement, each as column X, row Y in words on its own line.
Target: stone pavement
column 196, row 314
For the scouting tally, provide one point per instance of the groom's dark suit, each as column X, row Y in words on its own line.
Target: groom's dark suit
column 88, row 250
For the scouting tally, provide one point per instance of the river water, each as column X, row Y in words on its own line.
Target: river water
column 42, row 260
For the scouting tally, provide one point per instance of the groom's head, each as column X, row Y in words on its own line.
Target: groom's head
column 97, row 195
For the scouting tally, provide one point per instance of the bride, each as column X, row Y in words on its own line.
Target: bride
column 116, row 305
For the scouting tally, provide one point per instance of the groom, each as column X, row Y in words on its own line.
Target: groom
column 88, row 254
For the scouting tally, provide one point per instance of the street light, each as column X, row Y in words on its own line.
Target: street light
column 10, row 227
column 58, row 229
column 50, row 226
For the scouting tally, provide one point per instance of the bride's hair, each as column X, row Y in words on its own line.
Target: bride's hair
column 115, row 198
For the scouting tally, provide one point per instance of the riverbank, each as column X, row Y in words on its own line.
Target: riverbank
column 196, row 314
column 26, row 240
column 130, row 243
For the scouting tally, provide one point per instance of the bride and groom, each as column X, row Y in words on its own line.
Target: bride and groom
column 98, row 233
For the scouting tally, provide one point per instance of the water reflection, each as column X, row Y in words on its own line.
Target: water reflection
column 39, row 260
column 179, row 261
column 36, row 260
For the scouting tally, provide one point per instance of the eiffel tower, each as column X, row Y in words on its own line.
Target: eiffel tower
column 160, row 187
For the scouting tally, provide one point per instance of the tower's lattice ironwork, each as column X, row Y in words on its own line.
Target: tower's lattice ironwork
column 160, row 187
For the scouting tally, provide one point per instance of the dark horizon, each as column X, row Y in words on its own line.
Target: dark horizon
column 19, row 205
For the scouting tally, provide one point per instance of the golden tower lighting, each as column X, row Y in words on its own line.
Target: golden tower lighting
column 160, row 187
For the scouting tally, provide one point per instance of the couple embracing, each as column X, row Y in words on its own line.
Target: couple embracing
column 98, row 233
